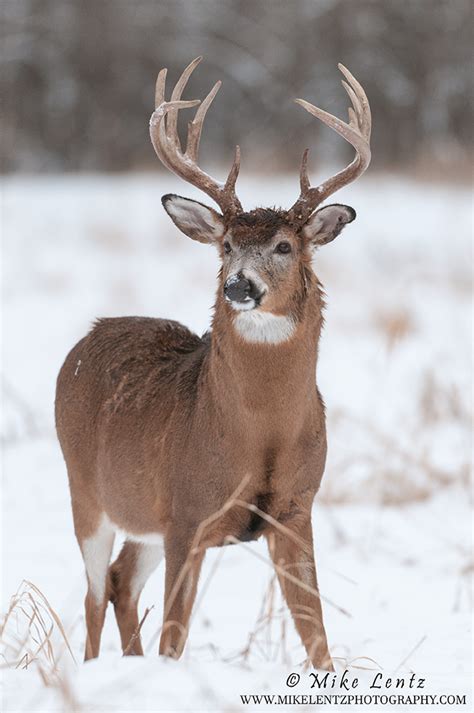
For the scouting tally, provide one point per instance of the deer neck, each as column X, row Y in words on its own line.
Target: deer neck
column 266, row 375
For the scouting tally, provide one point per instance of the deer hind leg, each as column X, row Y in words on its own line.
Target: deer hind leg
column 183, row 566
column 96, row 551
column 297, row 560
column 127, row 577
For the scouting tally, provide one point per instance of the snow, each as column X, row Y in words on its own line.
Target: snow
column 392, row 524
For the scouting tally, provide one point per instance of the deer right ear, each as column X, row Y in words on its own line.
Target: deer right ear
column 194, row 219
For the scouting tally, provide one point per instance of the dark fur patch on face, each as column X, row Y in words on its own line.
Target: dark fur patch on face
column 258, row 226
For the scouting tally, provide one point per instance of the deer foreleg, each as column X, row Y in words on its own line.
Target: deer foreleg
column 183, row 566
column 296, row 570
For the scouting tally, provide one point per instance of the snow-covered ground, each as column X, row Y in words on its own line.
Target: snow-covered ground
column 392, row 523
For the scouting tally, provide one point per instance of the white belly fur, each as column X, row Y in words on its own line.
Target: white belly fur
column 144, row 538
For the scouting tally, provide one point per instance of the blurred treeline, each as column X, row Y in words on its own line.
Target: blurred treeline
column 78, row 78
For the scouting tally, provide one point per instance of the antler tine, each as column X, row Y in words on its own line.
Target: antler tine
column 349, row 133
column 160, row 88
column 358, row 92
column 304, row 178
column 355, row 112
column 356, row 132
column 195, row 126
column 165, row 140
column 234, row 172
column 172, row 118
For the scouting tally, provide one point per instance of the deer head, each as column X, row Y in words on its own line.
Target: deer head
column 266, row 253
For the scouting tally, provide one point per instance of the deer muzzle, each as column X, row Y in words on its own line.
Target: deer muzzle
column 241, row 290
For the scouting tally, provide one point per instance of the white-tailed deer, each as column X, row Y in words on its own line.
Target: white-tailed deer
column 185, row 443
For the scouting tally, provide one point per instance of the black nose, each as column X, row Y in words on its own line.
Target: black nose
column 238, row 288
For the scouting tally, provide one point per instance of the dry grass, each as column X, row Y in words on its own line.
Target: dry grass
column 439, row 402
column 32, row 637
column 28, row 629
column 394, row 325
column 380, row 466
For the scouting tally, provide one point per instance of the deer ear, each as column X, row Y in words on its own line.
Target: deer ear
column 194, row 219
column 327, row 223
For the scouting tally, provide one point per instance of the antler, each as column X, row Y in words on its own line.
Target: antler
column 356, row 132
column 165, row 140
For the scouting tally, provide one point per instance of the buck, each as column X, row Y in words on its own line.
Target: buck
column 185, row 443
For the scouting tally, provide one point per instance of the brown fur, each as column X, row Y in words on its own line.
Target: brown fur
column 257, row 226
column 160, row 427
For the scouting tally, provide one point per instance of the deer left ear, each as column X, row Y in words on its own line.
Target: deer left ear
column 327, row 223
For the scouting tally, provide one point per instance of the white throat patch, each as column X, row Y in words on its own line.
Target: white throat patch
column 264, row 327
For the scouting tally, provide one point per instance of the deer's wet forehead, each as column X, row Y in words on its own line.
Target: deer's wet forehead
column 257, row 227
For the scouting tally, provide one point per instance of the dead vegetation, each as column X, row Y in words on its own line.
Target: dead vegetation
column 405, row 467
column 29, row 629
column 394, row 325
column 33, row 638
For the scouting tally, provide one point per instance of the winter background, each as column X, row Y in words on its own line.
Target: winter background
column 84, row 235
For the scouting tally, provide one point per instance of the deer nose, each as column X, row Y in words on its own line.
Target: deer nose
column 238, row 288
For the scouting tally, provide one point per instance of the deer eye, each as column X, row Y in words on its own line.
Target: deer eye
column 227, row 247
column 283, row 248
